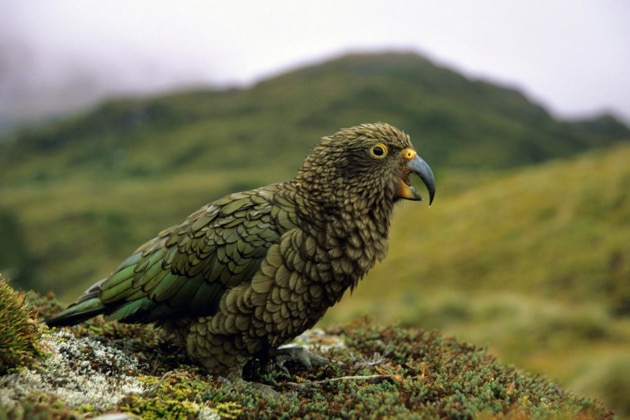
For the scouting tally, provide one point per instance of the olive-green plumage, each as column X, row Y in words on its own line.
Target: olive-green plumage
column 248, row 272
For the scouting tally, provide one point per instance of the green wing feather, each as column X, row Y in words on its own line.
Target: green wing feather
column 185, row 270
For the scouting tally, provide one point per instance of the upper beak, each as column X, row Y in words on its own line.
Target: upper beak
column 418, row 166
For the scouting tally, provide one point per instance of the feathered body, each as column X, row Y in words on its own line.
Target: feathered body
column 248, row 272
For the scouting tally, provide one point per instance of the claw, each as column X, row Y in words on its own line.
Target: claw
column 298, row 355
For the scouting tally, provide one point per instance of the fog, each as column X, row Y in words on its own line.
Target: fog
column 60, row 55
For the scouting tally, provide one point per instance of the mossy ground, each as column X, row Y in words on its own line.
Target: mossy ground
column 376, row 371
column 18, row 331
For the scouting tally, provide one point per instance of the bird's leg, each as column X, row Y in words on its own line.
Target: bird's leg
column 298, row 355
column 270, row 366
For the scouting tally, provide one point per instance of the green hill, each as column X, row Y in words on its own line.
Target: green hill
column 192, row 147
column 105, row 181
column 455, row 122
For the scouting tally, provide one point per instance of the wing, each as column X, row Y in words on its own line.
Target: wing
column 185, row 270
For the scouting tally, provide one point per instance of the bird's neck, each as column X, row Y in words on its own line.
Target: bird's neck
column 351, row 235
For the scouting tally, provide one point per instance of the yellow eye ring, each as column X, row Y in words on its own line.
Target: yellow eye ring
column 378, row 151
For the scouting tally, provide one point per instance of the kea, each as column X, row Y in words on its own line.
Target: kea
column 250, row 271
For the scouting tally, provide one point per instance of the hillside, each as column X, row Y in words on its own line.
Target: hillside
column 561, row 226
column 58, row 180
column 455, row 121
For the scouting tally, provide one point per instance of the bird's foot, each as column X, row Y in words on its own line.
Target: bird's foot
column 272, row 367
column 297, row 355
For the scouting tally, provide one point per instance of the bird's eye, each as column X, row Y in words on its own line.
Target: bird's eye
column 378, row 151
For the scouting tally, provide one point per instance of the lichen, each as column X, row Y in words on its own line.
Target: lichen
column 83, row 373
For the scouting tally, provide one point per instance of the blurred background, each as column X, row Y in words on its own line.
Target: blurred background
column 118, row 119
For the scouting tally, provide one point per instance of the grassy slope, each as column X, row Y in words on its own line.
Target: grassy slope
column 79, row 230
column 533, row 264
column 561, row 226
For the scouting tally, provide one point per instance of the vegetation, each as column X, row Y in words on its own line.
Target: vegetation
column 454, row 121
column 19, row 334
column 375, row 371
column 525, row 249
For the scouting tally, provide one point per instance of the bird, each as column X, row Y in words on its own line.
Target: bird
column 250, row 271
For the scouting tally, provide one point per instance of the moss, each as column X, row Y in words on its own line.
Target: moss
column 177, row 394
column 377, row 371
column 19, row 334
column 37, row 405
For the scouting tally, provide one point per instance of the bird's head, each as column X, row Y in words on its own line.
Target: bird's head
column 365, row 165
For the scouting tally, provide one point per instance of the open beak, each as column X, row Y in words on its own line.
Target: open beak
column 419, row 167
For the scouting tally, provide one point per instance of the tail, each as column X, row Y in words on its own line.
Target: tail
column 76, row 313
column 141, row 310
column 89, row 305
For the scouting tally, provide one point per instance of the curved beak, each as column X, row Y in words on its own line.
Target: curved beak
column 419, row 167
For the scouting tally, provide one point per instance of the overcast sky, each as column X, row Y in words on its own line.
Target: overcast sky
column 572, row 56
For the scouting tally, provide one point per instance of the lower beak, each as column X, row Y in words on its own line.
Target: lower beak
column 419, row 167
